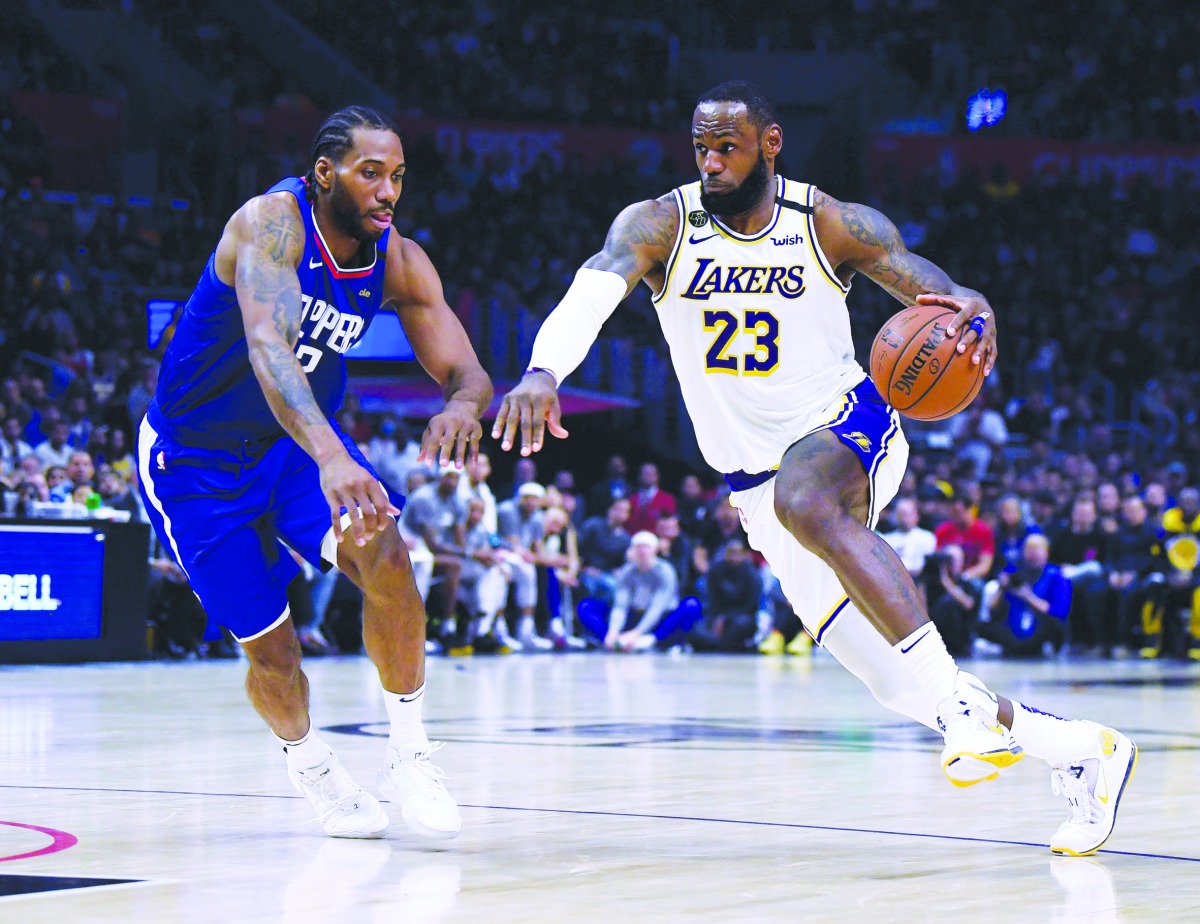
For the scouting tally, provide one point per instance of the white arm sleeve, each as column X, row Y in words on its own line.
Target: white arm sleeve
column 569, row 332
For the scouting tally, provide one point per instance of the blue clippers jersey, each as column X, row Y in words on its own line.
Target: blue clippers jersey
column 208, row 395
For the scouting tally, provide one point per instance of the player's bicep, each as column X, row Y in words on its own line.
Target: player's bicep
column 639, row 239
column 270, row 241
column 434, row 332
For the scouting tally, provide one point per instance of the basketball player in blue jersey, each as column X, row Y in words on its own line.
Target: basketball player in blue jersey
column 241, row 459
column 749, row 272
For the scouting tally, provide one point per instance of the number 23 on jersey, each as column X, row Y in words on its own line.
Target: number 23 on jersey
column 763, row 360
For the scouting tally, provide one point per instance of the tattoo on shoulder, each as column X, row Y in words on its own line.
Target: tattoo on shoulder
column 869, row 227
column 278, row 231
column 648, row 224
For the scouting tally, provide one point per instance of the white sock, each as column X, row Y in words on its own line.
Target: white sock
column 310, row 751
column 1055, row 740
column 926, row 656
column 404, row 711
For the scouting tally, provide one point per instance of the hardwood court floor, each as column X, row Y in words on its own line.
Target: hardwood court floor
column 594, row 788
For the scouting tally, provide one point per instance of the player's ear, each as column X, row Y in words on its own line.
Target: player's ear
column 772, row 140
column 323, row 171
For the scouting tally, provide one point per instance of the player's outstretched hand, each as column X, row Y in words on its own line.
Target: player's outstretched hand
column 347, row 484
column 975, row 319
column 452, row 435
column 532, row 406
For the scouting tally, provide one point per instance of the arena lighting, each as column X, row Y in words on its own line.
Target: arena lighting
column 986, row 107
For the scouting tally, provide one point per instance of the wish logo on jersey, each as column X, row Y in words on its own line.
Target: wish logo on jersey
column 710, row 279
column 320, row 319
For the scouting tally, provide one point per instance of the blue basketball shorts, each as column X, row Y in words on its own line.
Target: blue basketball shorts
column 230, row 518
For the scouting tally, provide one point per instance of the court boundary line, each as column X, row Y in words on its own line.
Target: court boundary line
column 835, row 829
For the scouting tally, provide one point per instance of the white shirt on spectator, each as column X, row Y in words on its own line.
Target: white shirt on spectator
column 12, row 453
column 913, row 547
column 49, row 456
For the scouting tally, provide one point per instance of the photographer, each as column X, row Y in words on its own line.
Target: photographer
column 953, row 598
column 1029, row 616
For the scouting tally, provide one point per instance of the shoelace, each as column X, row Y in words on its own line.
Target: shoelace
column 426, row 775
column 337, row 790
column 1071, row 784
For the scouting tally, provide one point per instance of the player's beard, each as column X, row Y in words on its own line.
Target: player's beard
column 346, row 214
column 745, row 197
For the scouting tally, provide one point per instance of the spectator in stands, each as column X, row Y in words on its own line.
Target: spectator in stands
column 485, row 583
column 572, row 501
column 80, row 469
column 116, row 493
column 979, row 433
column 971, row 534
column 1010, row 532
column 692, row 505
column 1108, row 507
column 953, row 599
column 556, row 555
column 678, row 549
column 649, row 501
column 520, row 520
column 603, row 542
column 392, row 450
column 731, row 602
column 646, row 591
column 55, row 450
column 475, row 485
column 1129, row 558
column 1029, row 617
column 79, row 420
column 912, row 543
column 435, row 514
column 12, row 447
column 118, row 454
column 59, row 483
column 612, row 487
column 1171, row 621
column 1078, row 549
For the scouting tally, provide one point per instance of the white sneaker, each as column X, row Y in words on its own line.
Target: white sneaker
column 344, row 808
column 415, row 785
column 528, row 637
column 977, row 747
column 1093, row 785
column 501, row 634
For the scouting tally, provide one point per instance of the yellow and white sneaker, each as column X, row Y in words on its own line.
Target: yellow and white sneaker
column 977, row 746
column 1093, row 785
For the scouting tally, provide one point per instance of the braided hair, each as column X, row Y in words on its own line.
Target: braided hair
column 336, row 136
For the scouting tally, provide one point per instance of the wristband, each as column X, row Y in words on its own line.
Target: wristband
column 545, row 370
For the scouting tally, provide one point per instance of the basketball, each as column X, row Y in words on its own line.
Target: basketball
column 918, row 370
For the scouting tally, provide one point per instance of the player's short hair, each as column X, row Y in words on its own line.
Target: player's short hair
column 336, row 136
column 758, row 105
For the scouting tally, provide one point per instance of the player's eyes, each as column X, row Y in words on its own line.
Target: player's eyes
column 369, row 174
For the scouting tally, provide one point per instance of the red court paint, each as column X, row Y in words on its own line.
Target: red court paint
column 59, row 840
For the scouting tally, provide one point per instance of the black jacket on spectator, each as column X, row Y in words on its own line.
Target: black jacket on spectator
column 1071, row 548
column 1132, row 549
column 602, row 546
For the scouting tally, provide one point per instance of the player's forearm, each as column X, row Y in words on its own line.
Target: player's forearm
column 470, row 386
column 906, row 275
column 290, row 397
column 568, row 333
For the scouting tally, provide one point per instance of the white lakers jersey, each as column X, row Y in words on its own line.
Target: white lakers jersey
column 758, row 329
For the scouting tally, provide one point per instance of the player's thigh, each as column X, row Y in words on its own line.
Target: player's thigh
column 810, row 585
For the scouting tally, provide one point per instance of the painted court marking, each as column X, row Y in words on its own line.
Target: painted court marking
column 602, row 814
column 59, row 840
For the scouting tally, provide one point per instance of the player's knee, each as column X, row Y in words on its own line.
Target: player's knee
column 388, row 571
column 813, row 520
column 274, row 658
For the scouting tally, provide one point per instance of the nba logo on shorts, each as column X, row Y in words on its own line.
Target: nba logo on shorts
column 742, row 517
column 161, row 460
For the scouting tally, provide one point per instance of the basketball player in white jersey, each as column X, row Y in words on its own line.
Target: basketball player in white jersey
column 749, row 273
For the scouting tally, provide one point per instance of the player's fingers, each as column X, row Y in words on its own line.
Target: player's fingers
column 428, row 443
column 335, row 512
column 356, row 520
column 958, row 321
column 527, row 415
column 381, row 504
column 501, row 419
column 540, row 408
column 976, row 330
column 473, row 447
column 512, row 421
column 554, row 420
column 460, row 447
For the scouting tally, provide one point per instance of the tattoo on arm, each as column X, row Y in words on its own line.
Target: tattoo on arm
column 267, row 287
column 884, row 257
column 640, row 238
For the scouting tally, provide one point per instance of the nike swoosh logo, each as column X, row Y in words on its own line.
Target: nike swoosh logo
column 313, row 264
column 915, row 644
column 694, row 240
column 982, row 690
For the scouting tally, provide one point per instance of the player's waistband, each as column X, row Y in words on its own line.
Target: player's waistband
column 212, row 439
column 744, row 481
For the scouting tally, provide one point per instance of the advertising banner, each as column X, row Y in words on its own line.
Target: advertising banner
column 51, row 582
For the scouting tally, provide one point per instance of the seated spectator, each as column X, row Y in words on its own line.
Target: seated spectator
column 520, row 520
column 478, row 470
column 434, row 514
column 1029, row 617
column 116, row 493
column 55, row 450
column 1010, row 532
column 971, row 534
column 59, row 483
column 1129, row 558
column 912, row 543
column 80, row 469
column 556, row 555
column 12, row 447
column 603, row 543
column 1078, row 548
column 645, row 593
column 1171, row 617
column 692, row 505
column 731, row 602
column 118, row 454
column 678, row 549
column 724, row 524
column 953, row 599
column 486, row 579
column 649, row 501
column 613, row 487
